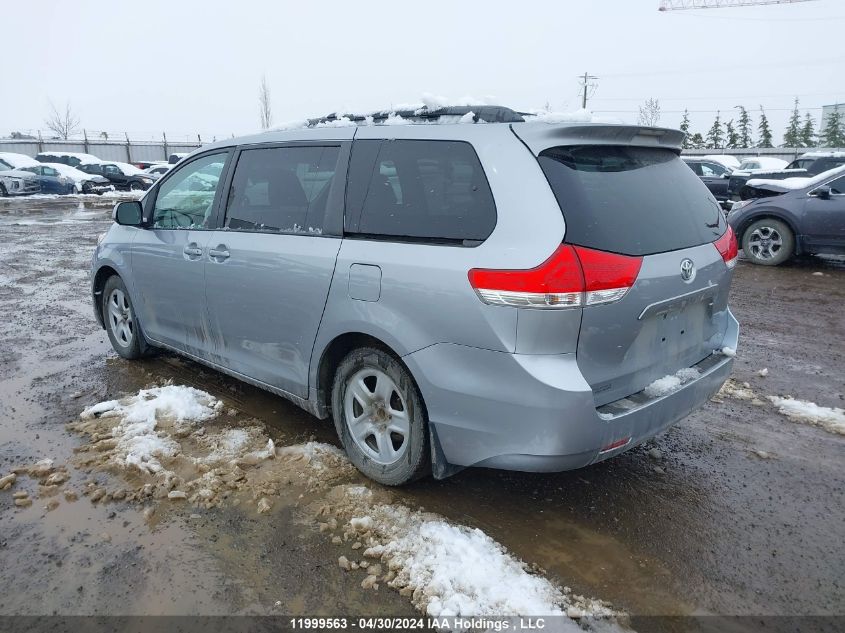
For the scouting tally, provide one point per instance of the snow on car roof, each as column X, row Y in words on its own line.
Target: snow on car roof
column 823, row 155
column 67, row 170
column 88, row 158
column 765, row 162
column 18, row 160
column 724, row 159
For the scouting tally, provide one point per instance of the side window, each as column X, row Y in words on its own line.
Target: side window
column 185, row 200
column 709, row 170
column 696, row 167
column 837, row 187
column 430, row 190
column 281, row 189
column 49, row 171
column 112, row 170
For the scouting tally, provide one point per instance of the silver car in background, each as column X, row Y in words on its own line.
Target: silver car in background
column 520, row 294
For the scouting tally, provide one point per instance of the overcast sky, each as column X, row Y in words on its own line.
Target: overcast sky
column 191, row 67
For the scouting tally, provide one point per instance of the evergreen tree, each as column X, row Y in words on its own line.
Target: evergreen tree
column 764, row 130
column 685, row 130
column 833, row 134
column 697, row 141
column 744, row 128
column 731, row 135
column 808, row 132
column 715, row 135
column 792, row 136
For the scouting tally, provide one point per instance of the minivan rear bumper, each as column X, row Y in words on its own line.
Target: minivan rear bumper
column 535, row 412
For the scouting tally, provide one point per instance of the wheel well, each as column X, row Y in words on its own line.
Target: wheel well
column 100, row 280
column 334, row 354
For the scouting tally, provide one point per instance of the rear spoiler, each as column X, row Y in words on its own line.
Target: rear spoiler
column 539, row 136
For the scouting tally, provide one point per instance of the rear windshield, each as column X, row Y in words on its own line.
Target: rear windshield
column 630, row 200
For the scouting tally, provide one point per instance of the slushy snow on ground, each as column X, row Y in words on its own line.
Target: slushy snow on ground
column 830, row 419
column 138, row 442
column 668, row 384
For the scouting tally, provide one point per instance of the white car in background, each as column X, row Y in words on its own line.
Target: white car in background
column 760, row 163
column 10, row 160
column 157, row 171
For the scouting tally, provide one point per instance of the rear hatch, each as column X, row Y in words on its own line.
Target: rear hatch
column 642, row 203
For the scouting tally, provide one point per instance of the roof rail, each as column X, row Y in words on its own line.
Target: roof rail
column 485, row 113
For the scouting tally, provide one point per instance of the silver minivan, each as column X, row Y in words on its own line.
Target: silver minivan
column 499, row 292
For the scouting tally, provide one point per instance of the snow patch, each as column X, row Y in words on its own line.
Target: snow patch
column 671, row 383
column 728, row 351
column 830, row 419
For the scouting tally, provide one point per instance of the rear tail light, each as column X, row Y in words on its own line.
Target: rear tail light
column 572, row 277
column 727, row 247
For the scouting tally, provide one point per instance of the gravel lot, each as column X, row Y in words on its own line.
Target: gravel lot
column 737, row 510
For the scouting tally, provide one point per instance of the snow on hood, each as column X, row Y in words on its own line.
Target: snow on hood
column 722, row 159
column 130, row 170
column 17, row 173
column 73, row 173
column 792, row 184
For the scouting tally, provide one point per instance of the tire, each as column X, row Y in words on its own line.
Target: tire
column 3, row 193
column 121, row 323
column 768, row 242
column 373, row 385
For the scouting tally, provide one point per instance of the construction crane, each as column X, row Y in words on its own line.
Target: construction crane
column 677, row 5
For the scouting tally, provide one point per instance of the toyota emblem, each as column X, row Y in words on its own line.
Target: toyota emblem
column 687, row 270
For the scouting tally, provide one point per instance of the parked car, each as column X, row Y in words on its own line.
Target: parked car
column 83, row 182
column 50, row 180
column 792, row 217
column 757, row 163
column 176, row 157
column 157, row 171
column 731, row 162
column 143, row 165
column 498, row 295
column 14, row 182
column 10, row 160
column 73, row 159
column 714, row 175
column 122, row 175
column 817, row 162
column 806, row 165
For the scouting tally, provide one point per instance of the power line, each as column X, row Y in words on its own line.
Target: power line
column 679, row 5
column 585, row 85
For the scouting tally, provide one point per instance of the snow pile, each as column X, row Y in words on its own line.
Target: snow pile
column 578, row 116
column 446, row 570
column 830, row 419
column 728, row 351
column 668, row 384
column 137, row 442
column 343, row 121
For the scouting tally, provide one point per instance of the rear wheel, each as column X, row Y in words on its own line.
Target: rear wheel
column 120, row 320
column 768, row 242
column 379, row 417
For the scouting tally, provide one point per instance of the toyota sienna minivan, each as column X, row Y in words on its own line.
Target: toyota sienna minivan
column 474, row 288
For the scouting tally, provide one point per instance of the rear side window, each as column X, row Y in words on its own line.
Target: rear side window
column 281, row 189
column 630, row 200
column 419, row 190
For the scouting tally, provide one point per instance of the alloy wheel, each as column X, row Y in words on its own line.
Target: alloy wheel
column 765, row 242
column 120, row 318
column 376, row 415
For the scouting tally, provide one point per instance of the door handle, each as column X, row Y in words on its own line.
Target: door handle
column 192, row 251
column 220, row 253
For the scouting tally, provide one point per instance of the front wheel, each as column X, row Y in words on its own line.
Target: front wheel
column 379, row 417
column 768, row 242
column 120, row 320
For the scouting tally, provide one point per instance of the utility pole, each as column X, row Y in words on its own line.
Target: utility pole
column 585, row 84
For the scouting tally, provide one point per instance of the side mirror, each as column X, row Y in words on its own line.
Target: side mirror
column 726, row 175
column 823, row 193
column 128, row 213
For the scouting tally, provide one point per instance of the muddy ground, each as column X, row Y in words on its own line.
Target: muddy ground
column 739, row 511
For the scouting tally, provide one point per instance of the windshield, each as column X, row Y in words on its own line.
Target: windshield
column 630, row 200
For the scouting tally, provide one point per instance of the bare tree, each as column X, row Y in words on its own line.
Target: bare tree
column 266, row 110
column 649, row 113
column 64, row 124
